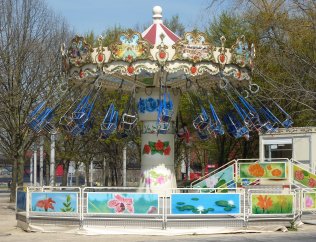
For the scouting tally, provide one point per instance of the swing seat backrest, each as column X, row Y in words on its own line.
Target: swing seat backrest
column 287, row 123
column 128, row 121
column 242, row 131
column 216, row 126
column 269, row 128
column 37, row 124
column 80, row 117
column 218, row 129
column 109, row 126
column 45, row 115
column 36, row 110
column 166, row 115
column 200, row 122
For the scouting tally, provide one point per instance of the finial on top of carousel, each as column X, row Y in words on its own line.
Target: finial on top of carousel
column 157, row 14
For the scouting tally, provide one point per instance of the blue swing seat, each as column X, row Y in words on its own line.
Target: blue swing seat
column 37, row 124
column 202, row 120
column 234, row 127
column 215, row 128
column 109, row 123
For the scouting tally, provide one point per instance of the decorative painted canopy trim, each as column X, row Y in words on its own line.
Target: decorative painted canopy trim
column 130, row 47
column 194, row 48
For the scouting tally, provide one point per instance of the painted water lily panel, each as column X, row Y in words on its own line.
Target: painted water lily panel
column 123, row 203
column 21, row 201
column 304, row 177
column 267, row 170
column 66, row 202
column 219, row 179
column 310, row 201
column 272, row 204
column 196, row 203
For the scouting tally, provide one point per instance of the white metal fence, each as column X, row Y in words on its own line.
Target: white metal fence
column 185, row 207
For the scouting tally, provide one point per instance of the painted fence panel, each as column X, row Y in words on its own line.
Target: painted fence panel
column 263, row 170
column 195, row 203
column 54, row 202
column 304, row 177
column 265, row 204
column 21, row 201
column 122, row 203
column 219, row 179
column 309, row 201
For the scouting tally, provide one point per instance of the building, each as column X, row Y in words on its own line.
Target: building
column 298, row 143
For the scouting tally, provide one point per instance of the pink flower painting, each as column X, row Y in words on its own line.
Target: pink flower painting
column 309, row 202
column 121, row 204
column 147, row 181
column 160, row 180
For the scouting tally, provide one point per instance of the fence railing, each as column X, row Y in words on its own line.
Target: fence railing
column 121, row 206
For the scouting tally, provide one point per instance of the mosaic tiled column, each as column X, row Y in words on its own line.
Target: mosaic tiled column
column 157, row 155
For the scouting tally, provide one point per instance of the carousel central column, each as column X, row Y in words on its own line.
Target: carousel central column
column 157, row 154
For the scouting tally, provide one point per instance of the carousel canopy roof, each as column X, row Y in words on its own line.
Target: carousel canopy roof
column 155, row 31
column 156, row 57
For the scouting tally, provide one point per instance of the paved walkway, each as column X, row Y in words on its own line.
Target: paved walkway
column 9, row 232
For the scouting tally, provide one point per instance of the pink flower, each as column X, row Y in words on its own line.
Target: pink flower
column 311, row 182
column 152, row 210
column 309, row 202
column 121, row 204
column 147, row 181
column 299, row 175
column 161, row 180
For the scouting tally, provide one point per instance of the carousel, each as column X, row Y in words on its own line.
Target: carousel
column 155, row 68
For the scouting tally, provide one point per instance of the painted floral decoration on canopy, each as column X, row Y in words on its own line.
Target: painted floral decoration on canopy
column 121, row 204
column 162, row 148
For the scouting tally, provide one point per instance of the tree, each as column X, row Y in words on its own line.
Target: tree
column 30, row 37
column 284, row 33
column 175, row 25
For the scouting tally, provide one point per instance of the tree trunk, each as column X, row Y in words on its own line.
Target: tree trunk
column 47, row 171
column 20, row 169
column 77, row 174
column 106, row 175
column 65, row 172
column 87, row 172
column 115, row 176
column 14, row 179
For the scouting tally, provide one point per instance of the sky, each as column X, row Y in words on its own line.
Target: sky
column 98, row 15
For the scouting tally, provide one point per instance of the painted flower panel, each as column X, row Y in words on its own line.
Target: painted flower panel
column 266, row 170
column 304, row 177
column 310, row 201
column 122, row 203
column 271, row 204
column 54, row 202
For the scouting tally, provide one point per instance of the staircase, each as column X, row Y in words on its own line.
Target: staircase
column 228, row 176
column 223, row 177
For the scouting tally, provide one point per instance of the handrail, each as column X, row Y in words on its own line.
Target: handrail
column 213, row 172
column 304, row 166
